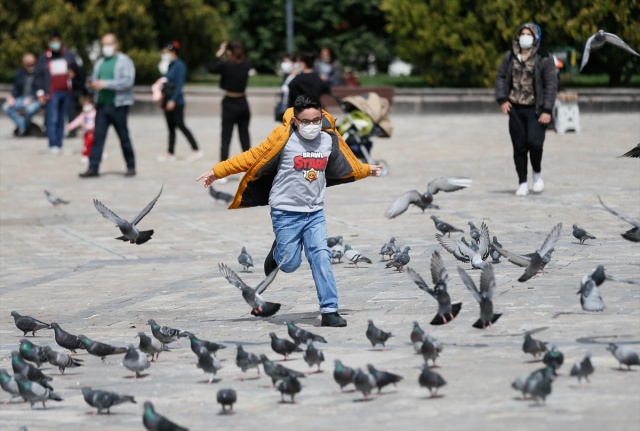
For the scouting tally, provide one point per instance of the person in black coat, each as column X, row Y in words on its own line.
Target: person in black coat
column 22, row 104
column 308, row 82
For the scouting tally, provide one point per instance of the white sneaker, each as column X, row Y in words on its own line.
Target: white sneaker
column 523, row 190
column 538, row 186
column 55, row 151
column 195, row 155
column 167, row 157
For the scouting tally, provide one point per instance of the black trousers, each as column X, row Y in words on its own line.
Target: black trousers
column 175, row 119
column 110, row 115
column 527, row 138
column 235, row 110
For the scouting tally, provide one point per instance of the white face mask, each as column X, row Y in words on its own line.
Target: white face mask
column 108, row 50
column 87, row 108
column 163, row 67
column 286, row 67
column 166, row 57
column 525, row 41
column 309, row 132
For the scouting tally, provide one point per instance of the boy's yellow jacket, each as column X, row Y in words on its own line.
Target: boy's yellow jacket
column 261, row 163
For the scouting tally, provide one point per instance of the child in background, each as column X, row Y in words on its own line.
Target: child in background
column 86, row 119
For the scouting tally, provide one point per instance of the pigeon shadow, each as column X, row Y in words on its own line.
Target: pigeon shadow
column 567, row 313
column 212, row 381
column 537, row 405
column 296, row 317
column 226, row 413
column 141, row 376
column 584, row 243
column 293, row 403
column 521, row 399
column 624, row 370
column 363, row 400
column 433, row 397
column 373, row 349
column 286, row 360
column 249, row 378
column 532, row 361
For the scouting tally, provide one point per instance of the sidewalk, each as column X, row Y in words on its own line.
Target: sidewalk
column 63, row 265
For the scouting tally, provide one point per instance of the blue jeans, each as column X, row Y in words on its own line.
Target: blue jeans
column 295, row 230
column 56, row 112
column 105, row 116
column 29, row 109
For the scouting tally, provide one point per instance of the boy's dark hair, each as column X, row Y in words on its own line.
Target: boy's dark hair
column 306, row 102
column 308, row 59
column 54, row 34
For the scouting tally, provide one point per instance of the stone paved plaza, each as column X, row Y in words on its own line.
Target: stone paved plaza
column 63, row 265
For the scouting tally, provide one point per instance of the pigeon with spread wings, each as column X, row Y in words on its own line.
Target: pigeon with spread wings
column 251, row 295
column 598, row 40
column 424, row 200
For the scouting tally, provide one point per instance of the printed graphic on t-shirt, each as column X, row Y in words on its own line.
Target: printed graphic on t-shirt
column 310, row 163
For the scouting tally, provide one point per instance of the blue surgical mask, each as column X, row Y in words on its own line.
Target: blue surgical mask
column 55, row 46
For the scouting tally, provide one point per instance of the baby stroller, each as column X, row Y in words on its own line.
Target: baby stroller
column 366, row 117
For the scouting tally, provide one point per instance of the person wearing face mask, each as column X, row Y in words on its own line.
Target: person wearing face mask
column 22, row 104
column 55, row 69
column 289, row 71
column 112, row 82
column 290, row 171
column 525, row 88
column 173, row 103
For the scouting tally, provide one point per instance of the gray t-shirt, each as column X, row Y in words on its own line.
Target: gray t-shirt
column 300, row 183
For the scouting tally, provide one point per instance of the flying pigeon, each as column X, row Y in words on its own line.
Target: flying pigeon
column 598, row 40
column 220, row 196
column 260, row 307
column 583, row 369
column 466, row 253
column 581, row 234
column 9, row 385
column 388, row 249
column 424, row 200
column 20, row 366
column 446, row 311
column 28, row 324
column 444, row 227
column 282, row 346
column 34, row 392
column 135, row 361
column 151, row 346
column 246, row 360
column 104, row 400
column 55, row 200
column 245, row 259
column 364, row 383
column 354, row 256
column 632, row 234
column 533, row 346
column 99, row 349
column 166, row 334
column 61, row 360
column 431, row 380
column 377, row 336
column 301, row 336
column 32, row 352
column 383, row 378
column 66, row 340
column 313, row 356
column 400, row 260
column 633, row 153
column 535, row 263
column 207, row 363
column 624, row 355
column 227, row 397
column 197, row 344
column 342, row 374
column 156, row 422
column 277, row 371
column 290, row 386
column 495, row 256
column 129, row 231
column 484, row 295
column 333, row 240
column 553, row 358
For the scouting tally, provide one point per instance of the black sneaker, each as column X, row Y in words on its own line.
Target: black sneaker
column 333, row 319
column 89, row 174
column 269, row 262
column 130, row 173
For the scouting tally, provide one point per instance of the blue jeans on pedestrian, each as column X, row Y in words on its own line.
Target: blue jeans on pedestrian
column 56, row 113
column 295, row 230
column 107, row 115
column 24, row 105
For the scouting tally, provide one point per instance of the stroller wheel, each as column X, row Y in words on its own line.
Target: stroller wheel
column 385, row 167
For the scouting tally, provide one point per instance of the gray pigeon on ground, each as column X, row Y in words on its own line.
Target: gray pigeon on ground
column 66, row 340
column 632, row 153
column 388, row 249
column 465, row 253
column 444, row 227
column 197, row 344
column 31, row 372
column 220, row 196
column 624, row 355
column 333, row 240
column 245, row 259
column 34, row 392
column 337, row 250
column 431, row 380
column 590, row 298
column 32, row 352
column 354, row 256
column 535, row 263
column 495, row 256
column 135, row 361
column 151, row 346
column 424, row 200
column 520, row 384
column 598, row 40
column 581, row 234
column 583, row 369
column 277, row 371
column 484, row 295
column 227, row 397
column 104, row 400
column 342, row 374
column 301, row 336
column 416, row 333
column 364, row 383
column 260, row 307
column 55, row 200
column 283, row 346
column 538, row 384
column 446, row 310
column 28, row 324
column 430, row 349
column 61, row 359
column 383, row 378
column 207, row 363
column 153, row 421
column 9, row 385
column 632, row 234
column 246, row 360
column 101, row 350
column 553, row 358
column 376, row 335
column 313, row 356
column 533, row 346
column 289, row 386
column 474, row 232
column 400, row 260
column 166, row 334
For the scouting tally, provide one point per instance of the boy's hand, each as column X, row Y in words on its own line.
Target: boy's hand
column 374, row 170
column 209, row 178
